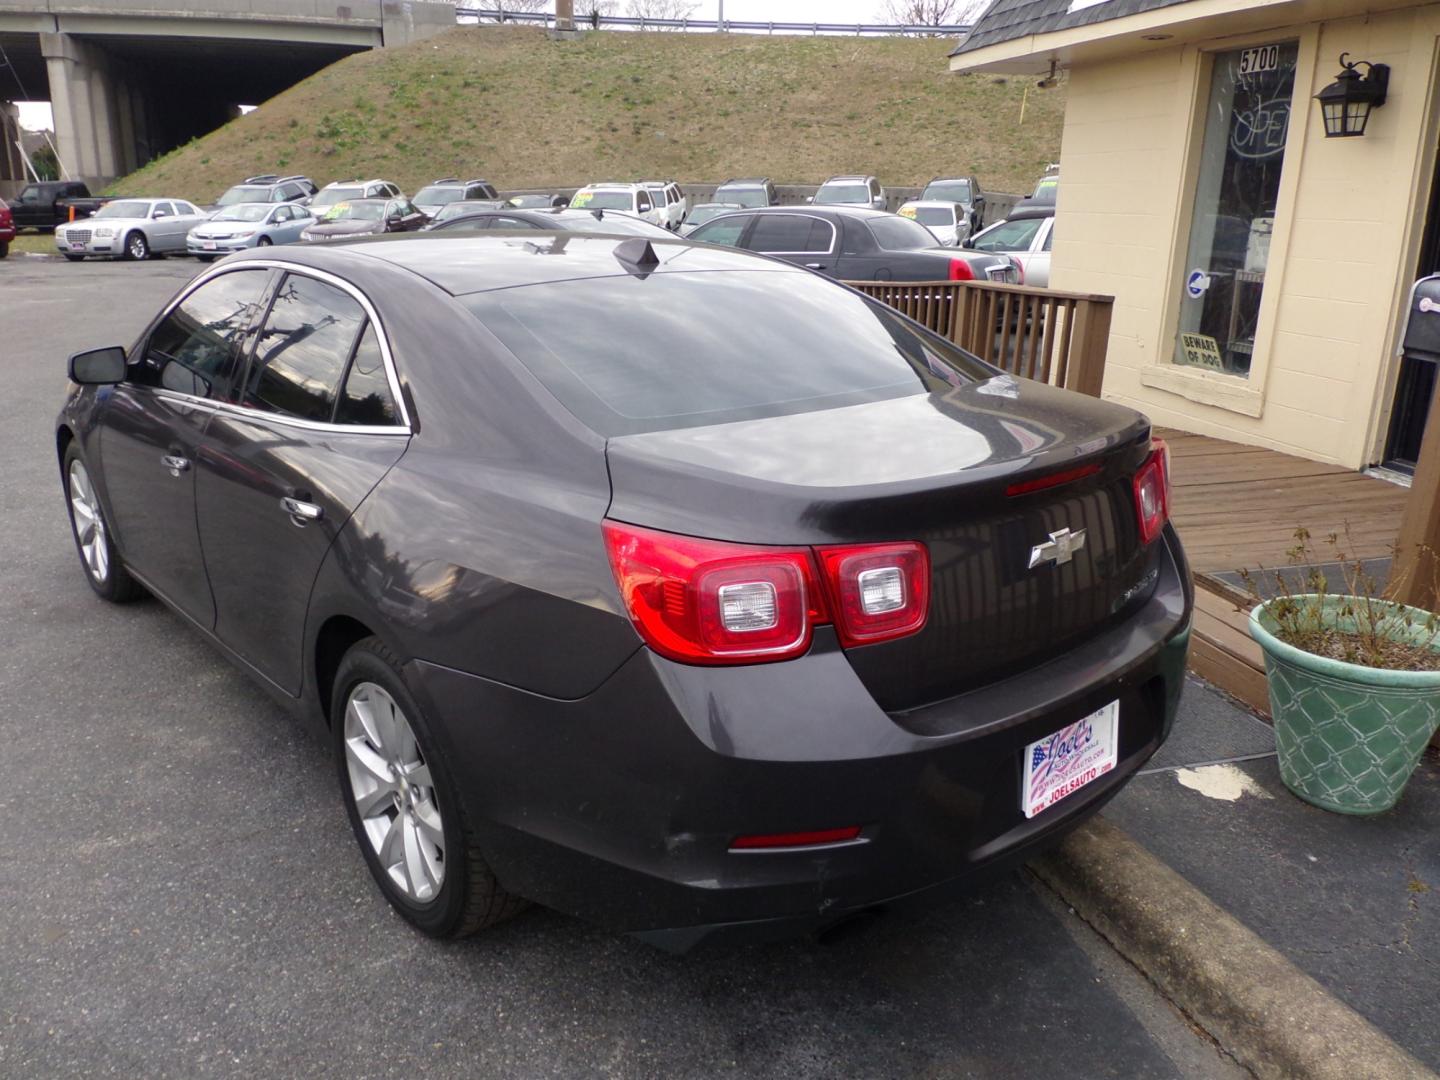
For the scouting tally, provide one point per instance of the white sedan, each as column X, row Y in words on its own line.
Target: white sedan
column 130, row 229
column 947, row 221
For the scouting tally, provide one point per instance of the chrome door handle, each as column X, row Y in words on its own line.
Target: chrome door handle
column 302, row 513
column 815, row 266
column 175, row 464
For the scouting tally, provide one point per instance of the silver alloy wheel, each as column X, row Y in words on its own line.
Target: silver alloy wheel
column 137, row 245
column 393, row 792
column 88, row 523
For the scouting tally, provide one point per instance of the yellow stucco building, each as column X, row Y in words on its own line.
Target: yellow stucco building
column 1261, row 269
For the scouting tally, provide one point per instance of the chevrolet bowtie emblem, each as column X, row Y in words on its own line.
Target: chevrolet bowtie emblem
column 1059, row 549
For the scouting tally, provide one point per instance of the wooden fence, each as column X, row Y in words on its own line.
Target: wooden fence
column 1053, row 337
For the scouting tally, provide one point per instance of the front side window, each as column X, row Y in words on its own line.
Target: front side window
column 197, row 347
column 302, row 349
column 1236, row 191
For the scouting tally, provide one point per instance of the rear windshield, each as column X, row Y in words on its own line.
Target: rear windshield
column 603, row 200
column 332, row 195
column 934, row 215
column 702, row 214
column 895, row 233
column 744, row 196
column 947, row 191
column 619, row 354
column 436, row 195
column 241, row 193
column 843, row 193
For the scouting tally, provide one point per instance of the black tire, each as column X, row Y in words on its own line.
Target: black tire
column 4, row 248
column 469, row 898
column 74, row 258
column 264, row 241
column 117, row 586
column 207, row 258
column 136, row 247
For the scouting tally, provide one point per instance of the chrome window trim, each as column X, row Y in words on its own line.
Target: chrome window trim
column 834, row 233
column 404, row 427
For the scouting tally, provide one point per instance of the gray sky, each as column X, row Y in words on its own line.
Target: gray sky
column 37, row 115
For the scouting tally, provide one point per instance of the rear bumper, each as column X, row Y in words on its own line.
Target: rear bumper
column 621, row 807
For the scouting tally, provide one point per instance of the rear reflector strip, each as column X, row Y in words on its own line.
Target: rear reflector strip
column 1040, row 483
column 796, row 839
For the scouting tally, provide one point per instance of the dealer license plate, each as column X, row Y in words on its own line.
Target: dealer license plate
column 77, row 247
column 1063, row 763
column 208, row 245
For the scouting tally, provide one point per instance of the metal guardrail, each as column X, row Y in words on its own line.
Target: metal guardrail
column 1053, row 337
column 600, row 22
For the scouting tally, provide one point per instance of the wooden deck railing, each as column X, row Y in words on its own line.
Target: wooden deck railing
column 1054, row 337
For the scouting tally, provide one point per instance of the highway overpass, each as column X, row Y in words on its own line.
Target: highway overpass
column 128, row 81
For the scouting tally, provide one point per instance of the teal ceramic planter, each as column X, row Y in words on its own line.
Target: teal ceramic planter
column 1347, row 736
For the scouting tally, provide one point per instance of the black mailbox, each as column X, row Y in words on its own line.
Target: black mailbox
column 1422, row 330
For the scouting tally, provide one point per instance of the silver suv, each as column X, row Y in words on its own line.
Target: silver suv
column 851, row 191
column 346, row 190
column 268, row 188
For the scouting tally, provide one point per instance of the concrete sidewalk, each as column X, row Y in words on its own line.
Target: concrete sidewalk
column 1352, row 902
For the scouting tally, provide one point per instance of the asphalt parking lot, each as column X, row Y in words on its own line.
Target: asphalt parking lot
column 182, row 896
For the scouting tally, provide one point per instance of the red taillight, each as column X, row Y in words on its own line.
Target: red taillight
column 796, row 839
column 714, row 602
column 960, row 270
column 877, row 591
column 1152, row 492
column 711, row 602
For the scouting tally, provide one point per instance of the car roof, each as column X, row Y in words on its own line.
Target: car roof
column 827, row 210
column 464, row 263
column 757, row 180
column 931, row 204
column 614, row 185
column 835, row 179
column 356, row 183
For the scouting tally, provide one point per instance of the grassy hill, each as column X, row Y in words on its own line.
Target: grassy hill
column 522, row 110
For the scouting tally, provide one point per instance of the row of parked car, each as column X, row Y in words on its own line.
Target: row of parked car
column 843, row 230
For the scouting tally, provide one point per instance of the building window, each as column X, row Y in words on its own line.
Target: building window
column 1247, row 116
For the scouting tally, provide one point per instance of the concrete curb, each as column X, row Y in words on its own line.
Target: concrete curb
column 1270, row 1016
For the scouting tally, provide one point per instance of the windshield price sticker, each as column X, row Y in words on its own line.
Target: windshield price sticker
column 1260, row 59
column 582, row 198
column 907, row 211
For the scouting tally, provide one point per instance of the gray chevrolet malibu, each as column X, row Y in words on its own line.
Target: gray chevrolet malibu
column 669, row 586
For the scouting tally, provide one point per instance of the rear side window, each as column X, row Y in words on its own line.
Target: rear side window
column 365, row 397
column 895, row 233
column 302, row 350
column 611, row 350
column 197, row 347
column 790, row 233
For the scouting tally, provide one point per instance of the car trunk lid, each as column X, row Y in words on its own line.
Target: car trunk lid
column 943, row 469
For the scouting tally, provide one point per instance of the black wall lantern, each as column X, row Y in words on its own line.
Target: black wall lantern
column 1346, row 103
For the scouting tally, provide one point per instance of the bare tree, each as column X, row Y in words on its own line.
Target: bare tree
column 660, row 9
column 527, row 7
column 931, row 12
column 591, row 11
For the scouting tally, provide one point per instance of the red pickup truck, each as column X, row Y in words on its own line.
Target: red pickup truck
column 7, row 229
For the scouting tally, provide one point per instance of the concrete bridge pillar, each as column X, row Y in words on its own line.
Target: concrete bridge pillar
column 96, row 132
column 12, row 164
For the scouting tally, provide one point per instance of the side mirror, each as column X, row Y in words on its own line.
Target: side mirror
column 809, row 198
column 160, row 214
column 395, row 218
column 968, row 242
column 98, row 367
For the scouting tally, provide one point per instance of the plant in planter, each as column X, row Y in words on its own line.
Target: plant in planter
column 1354, row 678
